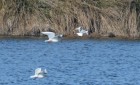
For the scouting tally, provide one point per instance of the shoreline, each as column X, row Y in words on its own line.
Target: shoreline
column 71, row 37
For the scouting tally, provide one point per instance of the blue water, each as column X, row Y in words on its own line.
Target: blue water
column 70, row 62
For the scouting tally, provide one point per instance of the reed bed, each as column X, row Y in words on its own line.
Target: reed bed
column 99, row 17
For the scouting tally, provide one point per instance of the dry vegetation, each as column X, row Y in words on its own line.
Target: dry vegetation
column 100, row 17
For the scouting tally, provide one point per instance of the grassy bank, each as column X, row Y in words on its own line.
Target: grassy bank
column 120, row 18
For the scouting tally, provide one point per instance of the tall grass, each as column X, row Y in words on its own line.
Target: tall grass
column 20, row 15
column 101, row 17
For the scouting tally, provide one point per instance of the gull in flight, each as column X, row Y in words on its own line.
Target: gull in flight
column 39, row 73
column 81, row 31
column 52, row 37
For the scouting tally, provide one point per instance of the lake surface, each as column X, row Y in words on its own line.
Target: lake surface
column 70, row 62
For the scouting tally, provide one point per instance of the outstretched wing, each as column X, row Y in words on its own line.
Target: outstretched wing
column 45, row 71
column 49, row 34
column 38, row 71
column 80, row 34
column 84, row 31
column 79, row 29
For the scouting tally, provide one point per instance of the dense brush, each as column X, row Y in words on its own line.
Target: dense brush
column 30, row 17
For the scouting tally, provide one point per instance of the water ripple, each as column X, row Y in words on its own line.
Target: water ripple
column 70, row 62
